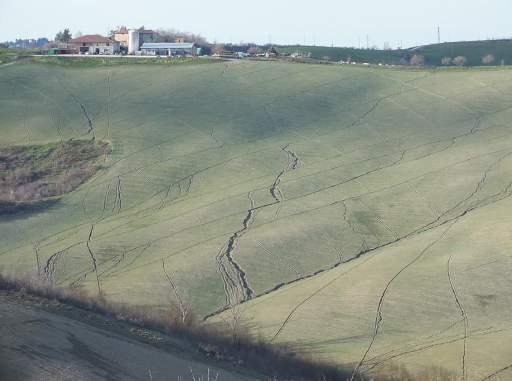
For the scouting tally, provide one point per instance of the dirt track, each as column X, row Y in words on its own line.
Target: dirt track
column 44, row 341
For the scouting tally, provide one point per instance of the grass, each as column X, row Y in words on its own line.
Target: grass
column 367, row 168
column 373, row 56
column 474, row 51
column 35, row 173
column 11, row 55
column 91, row 62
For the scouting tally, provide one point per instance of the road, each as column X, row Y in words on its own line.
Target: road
column 38, row 343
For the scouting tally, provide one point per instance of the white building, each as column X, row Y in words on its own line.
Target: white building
column 168, row 49
column 138, row 37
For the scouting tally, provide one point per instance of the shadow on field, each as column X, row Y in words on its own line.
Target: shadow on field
column 12, row 211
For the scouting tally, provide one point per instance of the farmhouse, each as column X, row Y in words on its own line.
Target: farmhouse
column 168, row 49
column 95, row 44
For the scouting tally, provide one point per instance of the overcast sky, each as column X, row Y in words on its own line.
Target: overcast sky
column 320, row 22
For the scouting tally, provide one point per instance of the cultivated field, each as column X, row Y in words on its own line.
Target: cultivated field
column 362, row 215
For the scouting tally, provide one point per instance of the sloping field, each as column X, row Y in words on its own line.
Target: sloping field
column 242, row 181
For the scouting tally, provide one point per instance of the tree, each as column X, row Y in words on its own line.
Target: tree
column 170, row 35
column 488, row 59
column 218, row 49
column 63, row 36
column 446, row 61
column 417, row 60
column 460, row 61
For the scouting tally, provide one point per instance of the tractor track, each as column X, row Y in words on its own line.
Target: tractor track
column 418, row 230
column 463, row 315
column 379, row 318
column 93, row 259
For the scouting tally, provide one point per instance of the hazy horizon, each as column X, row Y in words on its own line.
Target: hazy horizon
column 325, row 22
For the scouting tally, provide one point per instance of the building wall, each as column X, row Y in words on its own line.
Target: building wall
column 165, row 52
column 102, row 47
column 122, row 38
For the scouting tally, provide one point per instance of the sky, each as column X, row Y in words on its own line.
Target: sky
column 320, row 22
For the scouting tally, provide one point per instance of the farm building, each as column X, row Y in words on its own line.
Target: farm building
column 138, row 37
column 121, row 36
column 95, row 44
column 168, row 49
column 53, row 48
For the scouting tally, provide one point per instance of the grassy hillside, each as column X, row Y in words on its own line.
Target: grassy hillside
column 359, row 214
column 474, row 51
column 373, row 56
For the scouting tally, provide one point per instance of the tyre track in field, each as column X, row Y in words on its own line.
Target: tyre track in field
column 311, row 296
column 93, row 259
column 463, row 315
column 478, row 187
column 497, row 373
column 221, row 200
column 379, row 318
column 425, row 342
column 502, row 194
column 429, row 345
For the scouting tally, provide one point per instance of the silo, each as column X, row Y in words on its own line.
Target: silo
column 133, row 41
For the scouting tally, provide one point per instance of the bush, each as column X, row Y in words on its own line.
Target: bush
column 417, row 60
column 446, row 61
column 460, row 61
column 488, row 59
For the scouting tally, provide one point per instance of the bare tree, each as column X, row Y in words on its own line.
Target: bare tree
column 460, row 61
column 417, row 60
column 488, row 59
column 171, row 35
column 218, row 49
column 446, row 61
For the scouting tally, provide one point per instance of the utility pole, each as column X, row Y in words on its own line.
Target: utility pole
column 438, row 34
column 367, row 42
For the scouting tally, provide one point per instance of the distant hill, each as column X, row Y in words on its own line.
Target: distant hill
column 373, row 56
column 474, row 51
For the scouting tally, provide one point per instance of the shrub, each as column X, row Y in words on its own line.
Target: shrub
column 446, row 61
column 460, row 61
column 417, row 60
column 488, row 59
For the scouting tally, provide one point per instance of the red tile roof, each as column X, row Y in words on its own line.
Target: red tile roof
column 90, row 38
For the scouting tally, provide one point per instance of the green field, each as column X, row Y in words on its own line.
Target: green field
column 359, row 214
column 474, row 51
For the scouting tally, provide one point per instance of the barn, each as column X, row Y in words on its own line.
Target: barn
column 168, row 49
